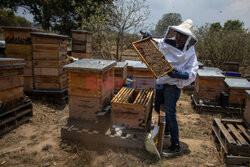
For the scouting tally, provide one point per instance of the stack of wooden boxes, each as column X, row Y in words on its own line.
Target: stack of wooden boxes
column 49, row 55
column 208, row 85
column 235, row 88
column 14, row 107
column 18, row 45
column 81, row 44
column 131, row 108
column 90, row 87
column 120, row 75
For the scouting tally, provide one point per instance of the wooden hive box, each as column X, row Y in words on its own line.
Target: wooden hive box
column 231, row 66
column 235, row 88
column 120, row 74
column 152, row 57
column 81, row 44
column 90, row 87
column 49, row 56
column 246, row 114
column 130, row 67
column 11, row 79
column 18, row 45
column 208, row 85
column 131, row 108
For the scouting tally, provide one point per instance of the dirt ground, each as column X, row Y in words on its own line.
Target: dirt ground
column 38, row 143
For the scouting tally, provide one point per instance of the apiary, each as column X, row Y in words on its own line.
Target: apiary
column 81, row 44
column 131, row 108
column 235, row 88
column 152, row 57
column 209, row 84
column 120, row 74
column 90, row 87
column 18, row 45
column 49, row 55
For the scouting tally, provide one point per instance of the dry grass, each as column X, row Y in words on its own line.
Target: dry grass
column 38, row 143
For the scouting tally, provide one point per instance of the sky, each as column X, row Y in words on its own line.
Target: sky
column 200, row 11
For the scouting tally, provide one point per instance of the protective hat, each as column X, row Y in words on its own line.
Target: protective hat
column 186, row 27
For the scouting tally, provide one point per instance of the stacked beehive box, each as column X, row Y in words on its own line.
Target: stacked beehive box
column 208, row 85
column 18, row 45
column 14, row 107
column 131, row 108
column 130, row 67
column 144, row 78
column 120, row 74
column 235, row 88
column 90, row 87
column 49, row 55
column 81, row 44
column 247, row 108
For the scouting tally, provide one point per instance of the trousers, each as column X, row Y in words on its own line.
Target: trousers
column 169, row 95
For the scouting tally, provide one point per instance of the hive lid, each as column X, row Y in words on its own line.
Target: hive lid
column 49, row 35
column 237, row 83
column 90, row 65
column 121, row 64
column 213, row 69
column 200, row 64
column 20, row 28
column 210, row 73
column 132, row 63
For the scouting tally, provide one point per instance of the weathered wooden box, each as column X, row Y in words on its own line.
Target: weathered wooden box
column 90, row 87
column 120, row 74
column 49, row 55
column 131, row 108
column 18, row 45
column 246, row 114
column 81, row 44
column 235, row 88
column 209, row 84
column 152, row 57
column 11, row 79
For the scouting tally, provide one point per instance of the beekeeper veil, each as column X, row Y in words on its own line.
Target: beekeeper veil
column 181, row 36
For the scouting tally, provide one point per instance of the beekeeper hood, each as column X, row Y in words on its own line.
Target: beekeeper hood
column 184, row 29
column 178, row 48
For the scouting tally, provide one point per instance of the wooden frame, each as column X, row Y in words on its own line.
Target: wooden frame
column 145, row 44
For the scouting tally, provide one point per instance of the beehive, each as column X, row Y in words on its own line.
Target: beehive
column 152, row 57
column 231, row 66
column 209, row 84
column 131, row 108
column 120, row 74
column 18, row 45
column 247, row 107
column 236, row 90
column 90, row 87
column 11, row 79
column 49, row 55
column 130, row 67
column 81, row 44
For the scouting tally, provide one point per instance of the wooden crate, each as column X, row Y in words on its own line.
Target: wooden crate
column 120, row 74
column 246, row 114
column 153, row 57
column 90, row 87
column 49, row 57
column 232, row 137
column 11, row 79
column 81, row 44
column 131, row 108
column 18, row 45
column 208, row 85
column 235, row 88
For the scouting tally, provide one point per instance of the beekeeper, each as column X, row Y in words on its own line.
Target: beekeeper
column 178, row 48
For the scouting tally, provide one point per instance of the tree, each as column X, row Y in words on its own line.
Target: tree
column 167, row 20
column 127, row 15
column 233, row 25
column 219, row 45
column 8, row 18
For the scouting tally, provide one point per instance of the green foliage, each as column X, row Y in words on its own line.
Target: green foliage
column 222, row 44
column 8, row 18
column 166, row 20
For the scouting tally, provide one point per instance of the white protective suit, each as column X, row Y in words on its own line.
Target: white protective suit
column 183, row 61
